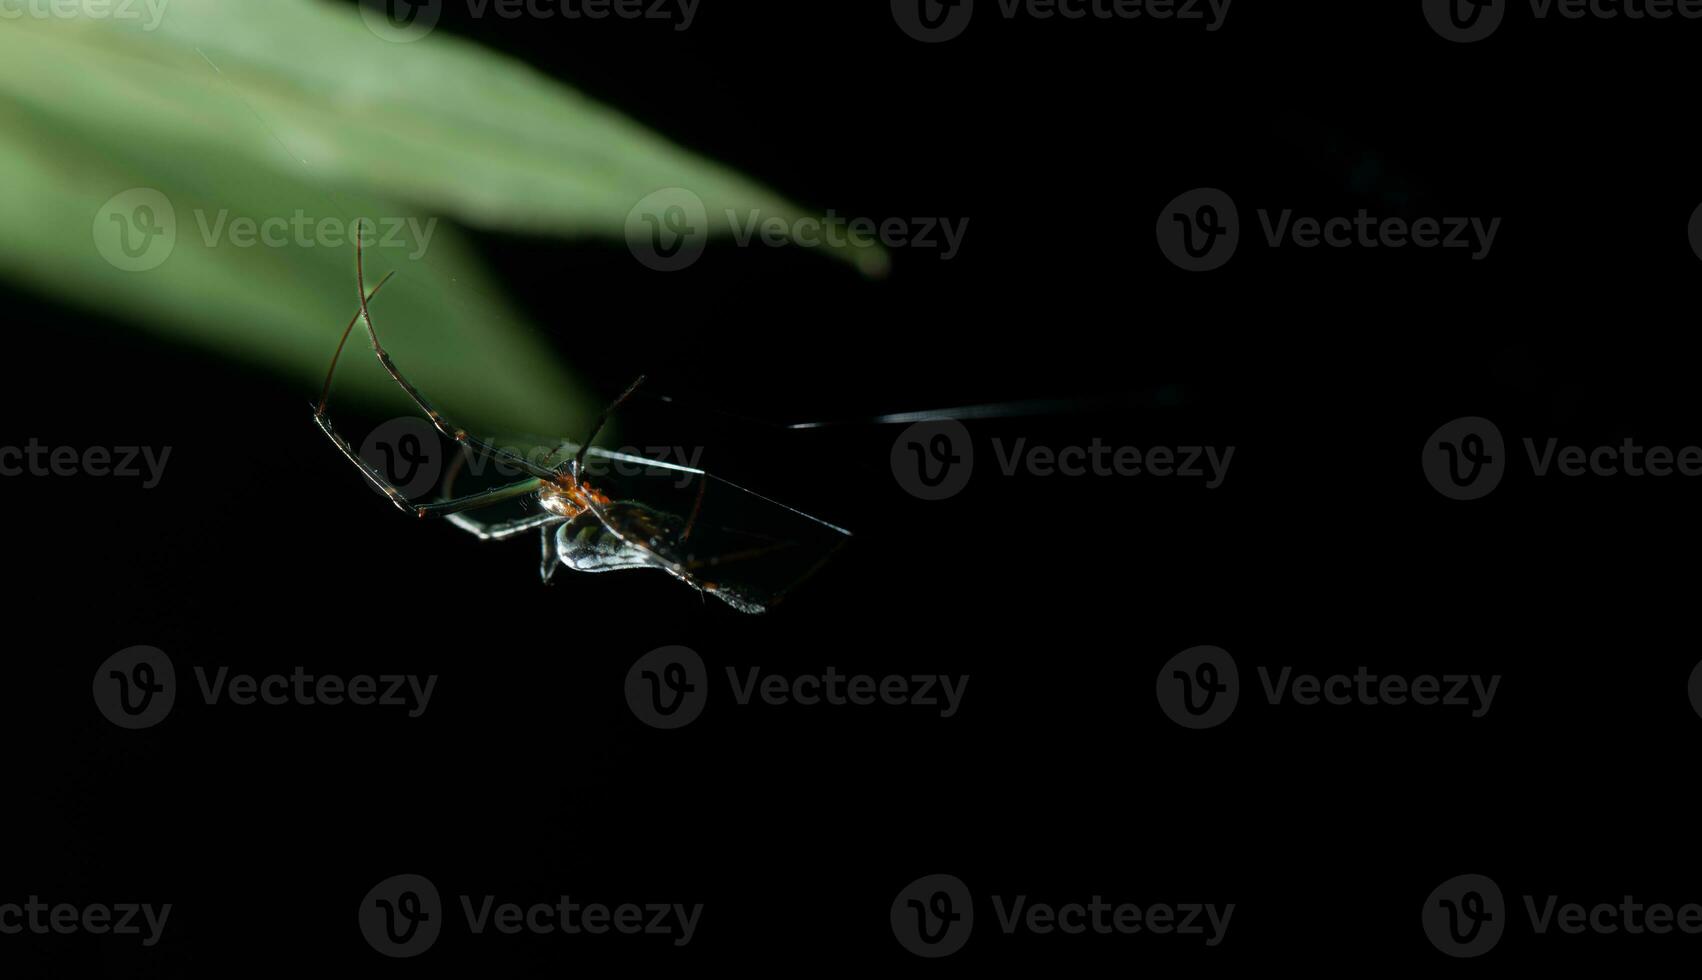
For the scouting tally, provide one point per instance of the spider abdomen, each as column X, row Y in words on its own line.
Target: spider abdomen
column 585, row 545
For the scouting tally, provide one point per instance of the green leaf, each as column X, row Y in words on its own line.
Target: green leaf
column 296, row 118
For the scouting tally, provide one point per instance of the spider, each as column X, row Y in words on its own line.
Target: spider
column 602, row 524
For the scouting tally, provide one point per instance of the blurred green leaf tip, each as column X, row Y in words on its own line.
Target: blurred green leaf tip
column 199, row 167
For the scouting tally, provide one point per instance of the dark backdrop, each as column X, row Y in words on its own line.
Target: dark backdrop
column 1060, row 778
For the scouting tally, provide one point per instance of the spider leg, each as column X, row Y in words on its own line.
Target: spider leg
column 443, row 424
column 441, row 508
column 597, row 426
column 493, row 530
column 325, row 392
column 503, row 530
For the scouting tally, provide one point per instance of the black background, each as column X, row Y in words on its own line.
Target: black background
column 1325, row 548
